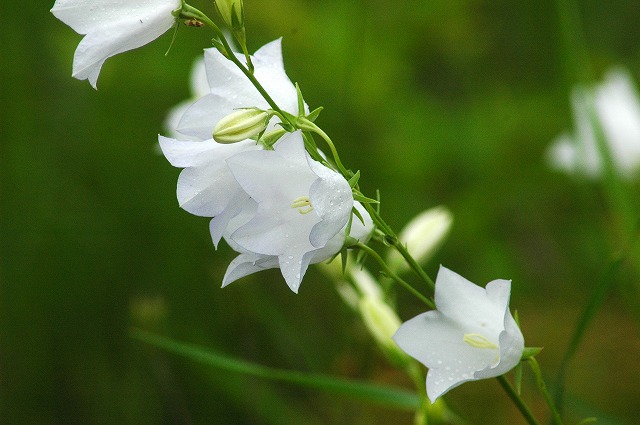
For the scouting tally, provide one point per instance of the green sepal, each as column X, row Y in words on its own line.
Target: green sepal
column 529, row 352
column 518, row 378
column 220, row 47
column 314, row 114
column 389, row 241
column 353, row 181
column 300, row 101
column 343, row 260
column 361, row 257
column 589, row 420
column 355, row 212
column 363, row 199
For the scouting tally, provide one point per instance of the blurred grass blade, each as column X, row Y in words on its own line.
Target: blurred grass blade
column 602, row 289
column 383, row 395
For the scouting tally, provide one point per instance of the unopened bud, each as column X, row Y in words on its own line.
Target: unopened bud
column 382, row 322
column 232, row 12
column 241, row 125
column 422, row 236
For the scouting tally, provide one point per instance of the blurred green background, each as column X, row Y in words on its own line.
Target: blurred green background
column 436, row 102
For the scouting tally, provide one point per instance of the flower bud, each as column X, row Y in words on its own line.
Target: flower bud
column 232, row 12
column 241, row 125
column 382, row 322
column 422, row 236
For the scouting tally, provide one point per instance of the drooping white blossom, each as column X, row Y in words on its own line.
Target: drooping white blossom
column 229, row 90
column 302, row 206
column 250, row 262
column 112, row 27
column 206, row 186
column 617, row 109
column 471, row 336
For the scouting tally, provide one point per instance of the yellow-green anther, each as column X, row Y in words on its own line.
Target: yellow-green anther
column 241, row 125
column 303, row 204
column 479, row 341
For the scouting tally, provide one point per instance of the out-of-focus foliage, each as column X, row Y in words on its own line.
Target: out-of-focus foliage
column 436, row 102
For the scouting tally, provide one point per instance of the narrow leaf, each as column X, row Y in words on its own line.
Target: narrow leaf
column 383, row 395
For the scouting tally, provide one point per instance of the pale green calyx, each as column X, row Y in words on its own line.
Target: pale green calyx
column 232, row 12
column 241, row 125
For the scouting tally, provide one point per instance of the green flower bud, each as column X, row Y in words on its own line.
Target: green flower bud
column 422, row 236
column 240, row 125
column 232, row 12
column 382, row 322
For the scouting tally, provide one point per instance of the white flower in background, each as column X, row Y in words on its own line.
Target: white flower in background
column 472, row 335
column 229, row 90
column 422, row 236
column 206, row 186
column 301, row 206
column 112, row 27
column 199, row 87
column 617, row 108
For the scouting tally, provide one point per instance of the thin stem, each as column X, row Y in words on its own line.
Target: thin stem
column 189, row 11
column 398, row 246
column 535, row 367
column 394, row 276
column 308, row 125
column 517, row 400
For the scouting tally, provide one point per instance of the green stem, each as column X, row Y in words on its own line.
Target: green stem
column 394, row 276
column 517, row 400
column 535, row 367
column 393, row 240
column 189, row 11
column 308, row 125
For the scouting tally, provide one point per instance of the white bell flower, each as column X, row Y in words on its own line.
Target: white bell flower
column 231, row 90
column 617, row 108
column 471, row 336
column 249, row 262
column 112, row 27
column 301, row 206
column 206, row 186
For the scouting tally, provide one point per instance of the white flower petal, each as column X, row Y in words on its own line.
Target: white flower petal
column 332, row 200
column 230, row 90
column 471, row 336
column 199, row 88
column 112, row 27
column 246, row 264
column 206, row 186
column 617, row 108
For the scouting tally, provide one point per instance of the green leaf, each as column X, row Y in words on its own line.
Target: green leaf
column 379, row 394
